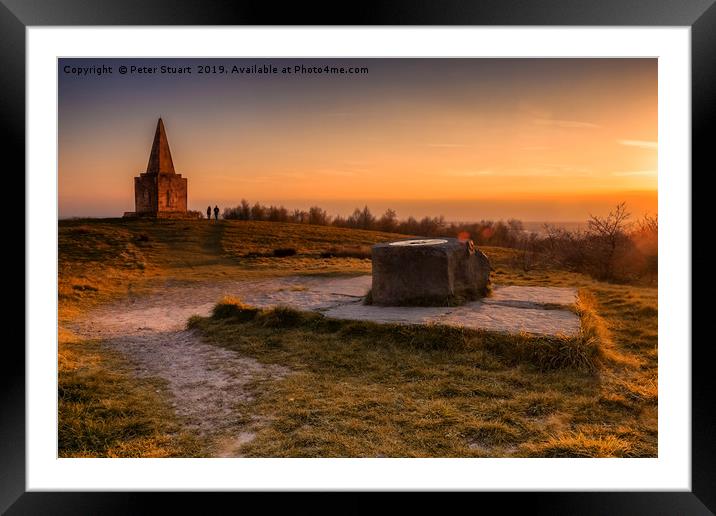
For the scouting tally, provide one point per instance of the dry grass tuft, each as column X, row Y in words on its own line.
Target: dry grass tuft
column 362, row 252
column 577, row 444
column 231, row 307
column 547, row 353
column 595, row 333
column 287, row 317
column 103, row 411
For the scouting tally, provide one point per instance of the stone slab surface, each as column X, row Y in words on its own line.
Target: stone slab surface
column 510, row 309
column 511, row 319
column 527, row 296
column 355, row 287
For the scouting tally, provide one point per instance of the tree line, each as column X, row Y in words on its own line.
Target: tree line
column 484, row 232
column 611, row 248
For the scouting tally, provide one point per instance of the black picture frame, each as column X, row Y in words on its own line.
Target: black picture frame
column 699, row 15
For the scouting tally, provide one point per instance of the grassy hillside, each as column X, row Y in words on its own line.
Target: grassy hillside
column 103, row 258
column 359, row 389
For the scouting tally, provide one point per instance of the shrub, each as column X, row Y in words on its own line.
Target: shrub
column 528, row 256
column 612, row 249
column 282, row 252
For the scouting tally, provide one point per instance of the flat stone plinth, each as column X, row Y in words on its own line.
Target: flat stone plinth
column 428, row 272
column 509, row 309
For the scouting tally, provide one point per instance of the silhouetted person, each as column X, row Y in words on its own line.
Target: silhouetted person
column 216, row 212
column 208, row 213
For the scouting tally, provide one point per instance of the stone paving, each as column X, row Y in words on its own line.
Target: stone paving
column 510, row 309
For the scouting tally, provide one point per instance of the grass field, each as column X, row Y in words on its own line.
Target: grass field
column 357, row 389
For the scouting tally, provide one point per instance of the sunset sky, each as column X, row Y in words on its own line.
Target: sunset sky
column 471, row 139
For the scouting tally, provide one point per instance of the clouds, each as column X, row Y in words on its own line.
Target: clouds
column 642, row 144
column 545, row 170
column 565, row 124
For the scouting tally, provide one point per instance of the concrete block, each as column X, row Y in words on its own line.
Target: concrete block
column 428, row 272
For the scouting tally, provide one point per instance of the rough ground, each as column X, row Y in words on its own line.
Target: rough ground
column 210, row 386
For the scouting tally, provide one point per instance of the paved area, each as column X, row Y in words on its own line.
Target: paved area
column 511, row 309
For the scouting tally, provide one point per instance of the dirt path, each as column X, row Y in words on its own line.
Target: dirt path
column 209, row 385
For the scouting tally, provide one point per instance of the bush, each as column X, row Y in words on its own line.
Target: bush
column 612, row 249
column 528, row 256
column 282, row 252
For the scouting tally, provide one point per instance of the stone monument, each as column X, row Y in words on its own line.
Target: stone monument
column 428, row 272
column 160, row 192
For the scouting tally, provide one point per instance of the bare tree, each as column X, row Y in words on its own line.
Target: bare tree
column 245, row 210
column 565, row 248
column 317, row 215
column 648, row 224
column 367, row 220
column 258, row 212
column 388, row 221
column 606, row 235
column 611, row 226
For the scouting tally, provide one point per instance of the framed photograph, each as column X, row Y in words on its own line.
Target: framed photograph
column 428, row 249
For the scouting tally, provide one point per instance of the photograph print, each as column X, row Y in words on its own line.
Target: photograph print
column 375, row 257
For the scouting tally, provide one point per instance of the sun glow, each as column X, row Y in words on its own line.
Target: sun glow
column 540, row 132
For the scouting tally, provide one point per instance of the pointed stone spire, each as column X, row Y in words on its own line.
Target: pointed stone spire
column 160, row 159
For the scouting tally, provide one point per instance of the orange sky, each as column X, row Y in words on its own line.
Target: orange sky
column 546, row 139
